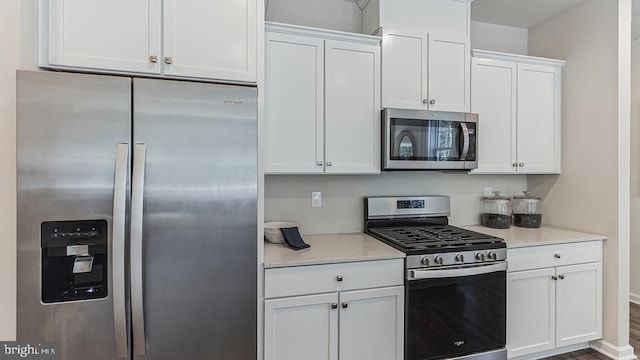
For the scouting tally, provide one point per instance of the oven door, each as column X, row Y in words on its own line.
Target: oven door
column 457, row 312
column 427, row 140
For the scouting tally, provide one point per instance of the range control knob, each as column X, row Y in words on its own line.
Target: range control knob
column 425, row 260
column 492, row 256
column 459, row 258
column 439, row 260
column 480, row 256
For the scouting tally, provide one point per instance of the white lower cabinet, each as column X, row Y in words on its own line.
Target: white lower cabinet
column 349, row 323
column 554, row 297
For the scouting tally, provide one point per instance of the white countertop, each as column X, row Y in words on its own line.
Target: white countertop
column 329, row 248
column 522, row 237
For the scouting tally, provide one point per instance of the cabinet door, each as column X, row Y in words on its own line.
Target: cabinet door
column 117, row 35
column 449, row 85
column 493, row 98
column 304, row 327
column 404, row 70
column 530, row 311
column 211, row 39
column 538, row 110
column 372, row 324
column 294, row 121
column 578, row 303
column 352, row 107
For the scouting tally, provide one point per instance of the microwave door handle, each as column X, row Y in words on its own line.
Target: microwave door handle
column 465, row 137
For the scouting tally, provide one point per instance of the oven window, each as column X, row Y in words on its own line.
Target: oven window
column 452, row 317
column 425, row 140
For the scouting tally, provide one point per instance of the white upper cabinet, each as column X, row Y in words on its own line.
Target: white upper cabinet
column 423, row 71
column 518, row 102
column 210, row 39
column 352, row 107
column 433, row 16
column 98, row 34
column 294, row 112
column 322, row 112
column 215, row 40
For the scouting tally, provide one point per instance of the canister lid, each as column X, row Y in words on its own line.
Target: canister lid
column 496, row 196
column 526, row 195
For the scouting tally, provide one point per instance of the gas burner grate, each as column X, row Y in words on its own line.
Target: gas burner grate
column 432, row 237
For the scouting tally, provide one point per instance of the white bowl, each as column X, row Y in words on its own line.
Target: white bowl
column 272, row 230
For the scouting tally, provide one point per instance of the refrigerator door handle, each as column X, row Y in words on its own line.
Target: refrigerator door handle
column 118, row 250
column 137, row 304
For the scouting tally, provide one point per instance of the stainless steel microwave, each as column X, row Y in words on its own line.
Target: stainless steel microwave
column 428, row 140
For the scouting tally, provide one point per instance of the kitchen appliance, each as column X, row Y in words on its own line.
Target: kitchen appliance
column 527, row 211
column 137, row 217
column 455, row 283
column 496, row 211
column 428, row 140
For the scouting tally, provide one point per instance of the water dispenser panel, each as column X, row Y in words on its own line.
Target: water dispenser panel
column 74, row 260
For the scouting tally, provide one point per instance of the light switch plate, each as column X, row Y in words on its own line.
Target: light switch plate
column 316, row 199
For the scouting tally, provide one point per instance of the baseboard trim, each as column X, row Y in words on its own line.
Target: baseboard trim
column 612, row 351
column 634, row 298
column 552, row 352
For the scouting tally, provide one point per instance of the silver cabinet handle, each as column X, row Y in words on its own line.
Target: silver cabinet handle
column 514, row 164
column 329, row 163
column 561, row 277
column 553, row 277
column 334, row 306
column 425, row 101
column 319, row 163
column 345, row 305
column 168, row 60
column 465, row 141
column 557, row 256
column 339, row 278
column 118, row 257
column 137, row 301
column 153, row 58
column 432, row 102
column 521, row 164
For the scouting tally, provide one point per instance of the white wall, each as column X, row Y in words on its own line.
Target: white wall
column 342, row 15
column 9, row 62
column 289, row 197
column 492, row 37
column 635, row 170
column 592, row 192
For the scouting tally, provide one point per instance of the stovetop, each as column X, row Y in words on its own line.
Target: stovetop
column 427, row 239
column 419, row 225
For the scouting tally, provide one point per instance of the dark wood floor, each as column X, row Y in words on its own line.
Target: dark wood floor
column 590, row 354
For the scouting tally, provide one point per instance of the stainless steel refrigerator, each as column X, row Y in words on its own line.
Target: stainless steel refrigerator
column 137, row 217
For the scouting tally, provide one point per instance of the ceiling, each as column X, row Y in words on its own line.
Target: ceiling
column 518, row 13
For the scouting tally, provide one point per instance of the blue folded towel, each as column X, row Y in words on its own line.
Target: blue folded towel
column 293, row 239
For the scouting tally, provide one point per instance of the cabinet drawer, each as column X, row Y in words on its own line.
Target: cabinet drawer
column 536, row 257
column 312, row 279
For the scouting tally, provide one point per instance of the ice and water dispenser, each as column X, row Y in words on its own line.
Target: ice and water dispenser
column 74, row 260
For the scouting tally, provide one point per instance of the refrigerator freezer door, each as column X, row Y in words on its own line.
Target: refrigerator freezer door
column 68, row 130
column 199, row 230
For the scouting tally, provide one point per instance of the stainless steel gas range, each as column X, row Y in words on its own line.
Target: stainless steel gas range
column 455, row 283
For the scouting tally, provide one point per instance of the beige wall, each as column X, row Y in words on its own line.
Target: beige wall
column 592, row 192
column 289, row 197
column 9, row 62
column 499, row 38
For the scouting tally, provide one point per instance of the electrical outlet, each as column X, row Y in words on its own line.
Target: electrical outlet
column 316, row 199
column 488, row 191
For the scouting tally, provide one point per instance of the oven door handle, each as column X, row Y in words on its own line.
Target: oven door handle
column 448, row 273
